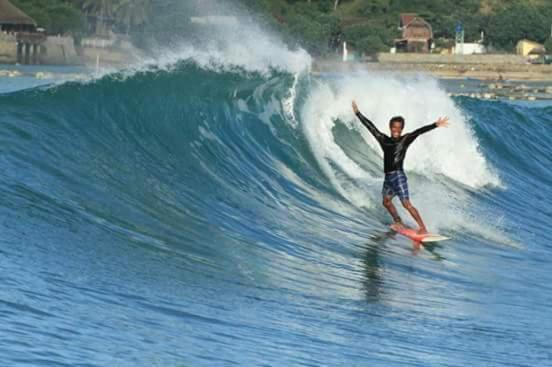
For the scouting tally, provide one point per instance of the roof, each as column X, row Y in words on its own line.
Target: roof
column 525, row 40
column 407, row 18
column 537, row 51
column 10, row 14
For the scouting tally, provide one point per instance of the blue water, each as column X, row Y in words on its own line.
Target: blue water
column 184, row 217
column 18, row 77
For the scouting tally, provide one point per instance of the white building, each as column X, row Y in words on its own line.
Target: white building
column 469, row 49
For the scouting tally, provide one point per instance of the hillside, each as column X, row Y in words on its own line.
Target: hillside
column 320, row 26
column 371, row 25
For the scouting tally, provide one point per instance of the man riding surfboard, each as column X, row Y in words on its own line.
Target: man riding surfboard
column 394, row 151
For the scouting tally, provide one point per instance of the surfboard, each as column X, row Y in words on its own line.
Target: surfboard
column 415, row 236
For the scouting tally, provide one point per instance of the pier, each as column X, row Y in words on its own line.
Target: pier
column 29, row 47
column 17, row 26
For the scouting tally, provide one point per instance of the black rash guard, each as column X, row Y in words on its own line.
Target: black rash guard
column 394, row 150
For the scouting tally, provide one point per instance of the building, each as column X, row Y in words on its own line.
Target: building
column 19, row 36
column 14, row 20
column 526, row 47
column 469, row 49
column 417, row 34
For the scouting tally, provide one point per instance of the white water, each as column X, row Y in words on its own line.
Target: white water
column 260, row 54
column 235, row 41
column 452, row 151
column 434, row 162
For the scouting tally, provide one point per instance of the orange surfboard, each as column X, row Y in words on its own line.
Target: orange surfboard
column 415, row 236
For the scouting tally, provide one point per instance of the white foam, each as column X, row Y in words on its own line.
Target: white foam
column 288, row 103
column 318, row 116
column 446, row 152
column 452, row 152
column 259, row 54
column 243, row 45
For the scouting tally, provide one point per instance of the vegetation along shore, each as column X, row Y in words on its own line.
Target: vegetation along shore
column 483, row 39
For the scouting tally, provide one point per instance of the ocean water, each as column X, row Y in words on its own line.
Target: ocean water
column 206, row 212
column 18, row 77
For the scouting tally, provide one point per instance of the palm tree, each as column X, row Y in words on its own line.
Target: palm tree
column 101, row 10
column 132, row 13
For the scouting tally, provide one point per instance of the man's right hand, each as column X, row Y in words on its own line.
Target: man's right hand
column 355, row 107
column 442, row 122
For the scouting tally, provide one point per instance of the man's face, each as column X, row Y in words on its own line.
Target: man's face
column 396, row 129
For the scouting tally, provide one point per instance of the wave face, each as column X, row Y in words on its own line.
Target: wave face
column 207, row 215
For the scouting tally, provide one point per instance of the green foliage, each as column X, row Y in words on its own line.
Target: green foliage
column 56, row 16
column 368, row 25
column 64, row 18
column 368, row 38
column 132, row 14
column 315, row 28
column 517, row 21
column 548, row 46
column 70, row 16
column 443, row 43
column 371, row 25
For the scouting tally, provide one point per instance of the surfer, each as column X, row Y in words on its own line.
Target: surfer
column 394, row 150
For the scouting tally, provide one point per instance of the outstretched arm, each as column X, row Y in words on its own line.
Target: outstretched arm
column 441, row 122
column 369, row 124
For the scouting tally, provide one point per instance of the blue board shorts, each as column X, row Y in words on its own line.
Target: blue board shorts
column 395, row 184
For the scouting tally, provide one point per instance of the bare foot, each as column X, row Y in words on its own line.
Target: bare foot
column 422, row 231
column 398, row 225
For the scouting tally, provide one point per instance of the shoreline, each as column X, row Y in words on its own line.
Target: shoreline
column 492, row 81
column 455, row 71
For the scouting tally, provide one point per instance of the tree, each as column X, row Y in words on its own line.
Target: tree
column 314, row 26
column 64, row 18
column 548, row 46
column 368, row 38
column 521, row 20
column 101, row 11
column 132, row 13
column 56, row 16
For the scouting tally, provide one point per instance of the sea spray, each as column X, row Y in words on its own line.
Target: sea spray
column 437, row 162
column 452, row 152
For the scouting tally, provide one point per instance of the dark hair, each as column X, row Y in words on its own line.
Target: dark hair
column 397, row 119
